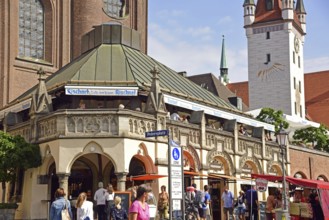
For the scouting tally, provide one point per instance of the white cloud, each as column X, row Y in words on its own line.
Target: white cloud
column 316, row 64
column 225, row 20
column 197, row 58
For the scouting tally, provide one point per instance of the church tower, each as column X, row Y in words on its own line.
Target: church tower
column 275, row 34
column 223, row 65
column 47, row 34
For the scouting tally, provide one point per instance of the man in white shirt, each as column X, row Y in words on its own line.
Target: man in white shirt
column 99, row 197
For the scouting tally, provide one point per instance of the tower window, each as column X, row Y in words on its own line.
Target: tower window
column 31, row 29
column 300, row 86
column 295, row 108
column 269, row 5
column 116, row 8
column 294, row 82
column 294, row 57
column 268, row 35
column 299, row 61
column 300, row 111
column 268, row 58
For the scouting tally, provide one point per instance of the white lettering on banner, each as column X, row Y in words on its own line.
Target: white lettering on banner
column 101, row 91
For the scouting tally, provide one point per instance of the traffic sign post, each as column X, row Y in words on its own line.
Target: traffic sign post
column 176, row 178
column 175, row 173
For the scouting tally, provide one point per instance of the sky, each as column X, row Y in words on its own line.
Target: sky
column 186, row 35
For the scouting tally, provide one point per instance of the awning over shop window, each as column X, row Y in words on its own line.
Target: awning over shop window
column 316, row 184
column 222, row 176
column 146, row 177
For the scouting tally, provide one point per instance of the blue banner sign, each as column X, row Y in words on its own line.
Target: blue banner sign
column 101, row 91
column 156, row 133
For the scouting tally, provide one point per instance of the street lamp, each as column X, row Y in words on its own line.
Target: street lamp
column 282, row 137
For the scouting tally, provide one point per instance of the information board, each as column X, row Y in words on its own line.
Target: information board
column 176, row 175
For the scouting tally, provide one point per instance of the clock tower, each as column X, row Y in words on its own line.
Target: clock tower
column 275, row 32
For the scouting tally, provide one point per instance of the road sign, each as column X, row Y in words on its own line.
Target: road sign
column 156, row 133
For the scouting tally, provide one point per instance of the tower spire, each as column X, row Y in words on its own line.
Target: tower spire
column 301, row 13
column 223, row 64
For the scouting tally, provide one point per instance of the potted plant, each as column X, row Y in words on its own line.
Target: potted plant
column 15, row 154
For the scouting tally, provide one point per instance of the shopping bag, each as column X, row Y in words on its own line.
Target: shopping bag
column 65, row 213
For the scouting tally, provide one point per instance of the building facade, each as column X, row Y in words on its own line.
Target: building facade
column 275, row 33
column 48, row 33
column 85, row 138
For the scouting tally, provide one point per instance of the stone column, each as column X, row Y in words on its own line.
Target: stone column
column 63, row 180
column 121, row 184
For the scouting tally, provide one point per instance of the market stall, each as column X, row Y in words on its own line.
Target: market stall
column 302, row 208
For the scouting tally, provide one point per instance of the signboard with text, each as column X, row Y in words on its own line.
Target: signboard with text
column 176, row 175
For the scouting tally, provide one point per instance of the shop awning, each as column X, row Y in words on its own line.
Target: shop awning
column 221, row 176
column 146, row 177
column 316, row 184
column 271, row 178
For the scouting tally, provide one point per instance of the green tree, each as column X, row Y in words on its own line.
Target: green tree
column 15, row 154
column 317, row 136
column 273, row 117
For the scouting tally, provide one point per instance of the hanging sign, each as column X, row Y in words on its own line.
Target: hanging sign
column 261, row 184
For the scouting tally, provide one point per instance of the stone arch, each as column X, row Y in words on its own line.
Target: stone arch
column 252, row 162
column 190, row 151
column 322, row 178
column 274, row 168
column 188, row 161
column 222, row 157
column 144, row 157
column 300, row 175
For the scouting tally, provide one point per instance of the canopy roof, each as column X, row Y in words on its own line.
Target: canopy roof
column 316, row 184
column 121, row 65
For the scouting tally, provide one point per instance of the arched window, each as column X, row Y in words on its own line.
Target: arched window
column 116, row 8
column 31, row 29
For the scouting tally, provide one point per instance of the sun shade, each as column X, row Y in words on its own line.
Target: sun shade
column 146, row 177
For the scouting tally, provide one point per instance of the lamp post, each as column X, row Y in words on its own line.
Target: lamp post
column 282, row 137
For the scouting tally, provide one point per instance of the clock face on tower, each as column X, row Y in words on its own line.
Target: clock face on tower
column 296, row 44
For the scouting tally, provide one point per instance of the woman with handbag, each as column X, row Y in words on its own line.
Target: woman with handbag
column 163, row 203
column 61, row 208
column 84, row 208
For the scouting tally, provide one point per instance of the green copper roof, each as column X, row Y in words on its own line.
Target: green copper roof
column 248, row 2
column 120, row 65
column 223, row 63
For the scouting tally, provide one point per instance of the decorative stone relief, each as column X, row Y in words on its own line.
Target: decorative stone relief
column 250, row 147
column 271, row 167
column 194, row 154
column 47, row 127
column 92, row 124
column 254, row 160
column 25, row 132
column 139, row 126
column 268, row 151
column 212, row 158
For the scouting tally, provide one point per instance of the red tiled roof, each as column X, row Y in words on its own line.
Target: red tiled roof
column 241, row 90
column 316, row 95
column 263, row 15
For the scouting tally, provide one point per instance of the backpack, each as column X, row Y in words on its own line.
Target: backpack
column 199, row 198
